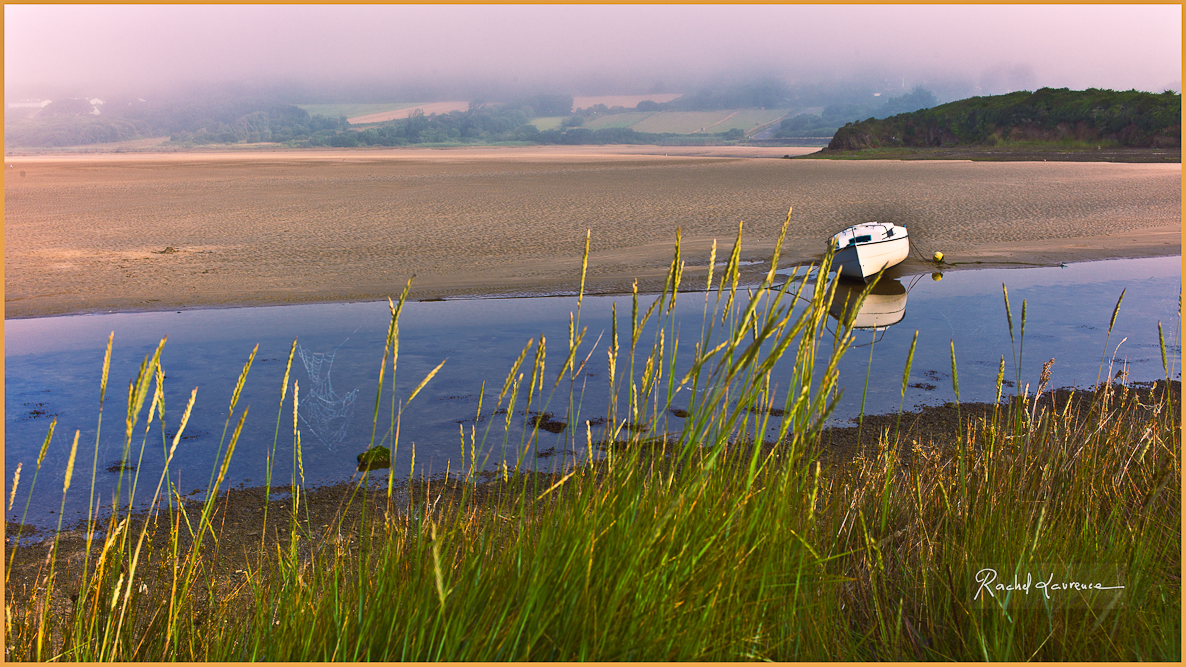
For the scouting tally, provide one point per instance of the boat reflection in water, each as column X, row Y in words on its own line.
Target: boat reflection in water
column 884, row 306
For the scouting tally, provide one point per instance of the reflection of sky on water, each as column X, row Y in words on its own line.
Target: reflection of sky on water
column 54, row 366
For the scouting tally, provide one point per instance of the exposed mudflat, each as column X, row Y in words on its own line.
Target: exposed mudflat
column 140, row 231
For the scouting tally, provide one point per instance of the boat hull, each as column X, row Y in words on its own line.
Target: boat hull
column 867, row 259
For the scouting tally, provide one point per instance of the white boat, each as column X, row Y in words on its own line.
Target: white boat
column 868, row 248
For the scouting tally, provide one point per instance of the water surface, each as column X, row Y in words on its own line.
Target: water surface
column 54, row 367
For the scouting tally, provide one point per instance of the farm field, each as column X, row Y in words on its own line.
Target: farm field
column 380, row 112
column 404, row 112
column 678, row 122
column 352, row 110
column 547, row 122
column 620, row 120
column 748, row 119
column 695, row 122
column 627, row 101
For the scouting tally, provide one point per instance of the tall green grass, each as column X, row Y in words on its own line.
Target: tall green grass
column 707, row 542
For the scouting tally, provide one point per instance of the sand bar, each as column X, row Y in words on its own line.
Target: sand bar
column 89, row 233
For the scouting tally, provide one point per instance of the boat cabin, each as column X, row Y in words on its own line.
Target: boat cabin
column 866, row 232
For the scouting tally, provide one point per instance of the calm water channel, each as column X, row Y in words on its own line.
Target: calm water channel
column 53, row 368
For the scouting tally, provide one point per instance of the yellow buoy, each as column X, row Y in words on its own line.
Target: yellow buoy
column 938, row 256
column 936, row 276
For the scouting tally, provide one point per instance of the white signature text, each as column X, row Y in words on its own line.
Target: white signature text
column 987, row 578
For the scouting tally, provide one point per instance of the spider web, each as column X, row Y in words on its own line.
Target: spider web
column 324, row 412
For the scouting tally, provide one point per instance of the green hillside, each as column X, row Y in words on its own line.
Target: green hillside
column 1061, row 116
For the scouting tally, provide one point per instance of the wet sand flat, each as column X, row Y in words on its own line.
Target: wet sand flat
column 86, row 233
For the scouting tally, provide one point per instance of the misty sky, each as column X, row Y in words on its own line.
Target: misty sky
column 591, row 49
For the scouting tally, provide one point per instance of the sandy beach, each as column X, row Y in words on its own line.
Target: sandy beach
column 141, row 231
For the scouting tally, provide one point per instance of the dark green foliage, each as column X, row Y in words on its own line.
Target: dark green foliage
column 374, row 458
column 1130, row 118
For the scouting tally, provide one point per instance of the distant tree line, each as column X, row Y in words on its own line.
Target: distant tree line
column 63, row 130
column 1129, row 118
column 224, row 115
column 535, row 106
column 229, row 121
column 285, row 124
column 201, row 121
column 480, row 123
column 496, row 124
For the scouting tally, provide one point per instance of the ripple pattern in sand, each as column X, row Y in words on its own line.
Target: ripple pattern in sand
column 91, row 234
